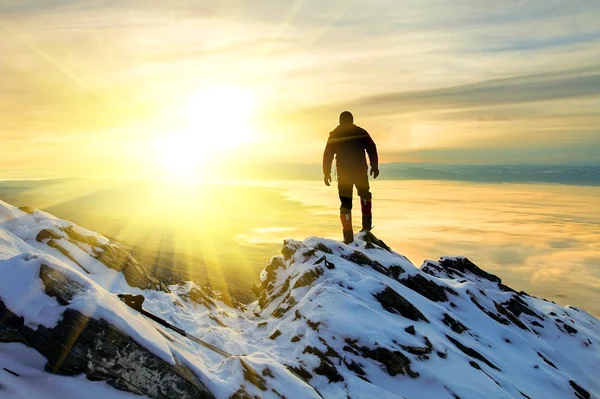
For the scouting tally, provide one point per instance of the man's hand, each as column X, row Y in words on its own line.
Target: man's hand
column 374, row 172
column 327, row 180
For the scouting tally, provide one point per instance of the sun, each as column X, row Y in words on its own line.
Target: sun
column 209, row 123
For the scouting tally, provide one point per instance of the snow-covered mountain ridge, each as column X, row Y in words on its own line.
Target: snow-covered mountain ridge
column 331, row 320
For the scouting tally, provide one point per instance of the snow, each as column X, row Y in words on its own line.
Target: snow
column 336, row 313
column 22, row 291
column 34, row 383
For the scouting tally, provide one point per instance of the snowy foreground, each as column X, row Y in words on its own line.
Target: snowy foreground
column 331, row 320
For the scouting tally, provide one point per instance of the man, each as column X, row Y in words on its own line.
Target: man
column 348, row 144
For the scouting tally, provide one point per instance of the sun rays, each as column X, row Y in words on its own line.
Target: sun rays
column 208, row 125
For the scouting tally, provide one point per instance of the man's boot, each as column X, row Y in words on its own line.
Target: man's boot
column 346, row 218
column 367, row 217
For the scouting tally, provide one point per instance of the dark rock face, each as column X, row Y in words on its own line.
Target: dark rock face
column 326, row 366
column 454, row 268
column 275, row 263
column 355, row 367
column 80, row 344
column 569, row 329
column 517, row 306
column 309, row 277
column 427, row 288
column 579, row 391
column 47, row 234
column 363, row 260
column 403, row 355
column 394, row 362
column 546, row 360
column 289, row 248
column 207, row 297
column 454, row 324
column 369, row 238
column 471, row 352
column 276, row 334
column 360, row 259
column 136, row 274
column 252, row 376
column 396, row 303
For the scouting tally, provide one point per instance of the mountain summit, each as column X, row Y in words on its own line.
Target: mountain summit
column 331, row 320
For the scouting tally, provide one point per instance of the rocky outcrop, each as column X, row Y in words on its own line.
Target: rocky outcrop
column 80, row 344
column 456, row 302
column 396, row 303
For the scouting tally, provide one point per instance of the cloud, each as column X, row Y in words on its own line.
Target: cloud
column 492, row 93
column 422, row 75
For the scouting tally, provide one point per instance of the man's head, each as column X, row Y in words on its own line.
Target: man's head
column 346, row 118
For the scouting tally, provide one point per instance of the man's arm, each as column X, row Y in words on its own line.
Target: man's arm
column 371, row 149
column 328, row 155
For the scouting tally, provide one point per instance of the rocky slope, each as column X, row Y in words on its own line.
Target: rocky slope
column 331, row 320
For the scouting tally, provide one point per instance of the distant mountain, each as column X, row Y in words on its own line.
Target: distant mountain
column 331, row 320
column 572, row 174
column 580, row 174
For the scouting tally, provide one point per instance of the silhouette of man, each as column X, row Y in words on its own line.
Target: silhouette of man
column 348, row 144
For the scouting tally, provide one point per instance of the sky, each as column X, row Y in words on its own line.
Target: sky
column 131, row 88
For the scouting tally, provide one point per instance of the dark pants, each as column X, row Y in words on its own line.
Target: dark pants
column 346, row 190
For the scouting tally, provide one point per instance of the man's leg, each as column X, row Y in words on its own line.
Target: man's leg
column 362, row 186
column 345, row 189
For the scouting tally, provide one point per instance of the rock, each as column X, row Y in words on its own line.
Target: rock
column 370, row 238
column 207, row 296
column 136, row 274
column 323, row 248
column 471, row 352
column 457, row 267
column 243, row 394
column 394, row 362
column 355, row 367
column 308, row 277
column 395, row 271
column 569, row 329
column 326, row 366
column 290, row 247
column 47, row 234
column 269, row 276
column 517, row 306
column 427, row 288
column 80, row 344
column 300, row 372
column 579, row 391
column 286, row 305
column 454, row 324
column 546, row 360
column 396, row 303
column 252, row 376
column 359, row 258
column 410, row 330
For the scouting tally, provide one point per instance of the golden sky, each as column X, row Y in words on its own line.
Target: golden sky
column 129, row 88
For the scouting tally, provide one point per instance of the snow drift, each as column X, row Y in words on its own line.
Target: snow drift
column 331, row 320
